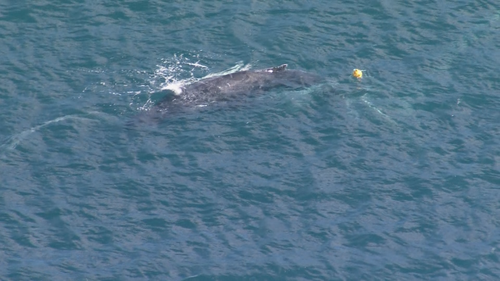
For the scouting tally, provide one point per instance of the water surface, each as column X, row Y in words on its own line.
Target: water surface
column 391, row 177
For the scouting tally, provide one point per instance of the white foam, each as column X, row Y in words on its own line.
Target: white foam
column 238, row 67
column 175, row 87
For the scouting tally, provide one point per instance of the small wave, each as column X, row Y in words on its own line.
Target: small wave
column 13, row 141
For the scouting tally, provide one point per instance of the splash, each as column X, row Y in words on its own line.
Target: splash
column 180, row 71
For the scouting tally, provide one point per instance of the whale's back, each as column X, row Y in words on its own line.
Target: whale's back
column 238, row 84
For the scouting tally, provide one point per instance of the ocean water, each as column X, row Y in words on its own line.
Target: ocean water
column 395, row 176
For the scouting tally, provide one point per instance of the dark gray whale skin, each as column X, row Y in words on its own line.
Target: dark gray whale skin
column 238, row 84
column 231, row 87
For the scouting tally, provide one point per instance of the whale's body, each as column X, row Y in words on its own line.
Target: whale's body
column 231, row 87
column 235, row 85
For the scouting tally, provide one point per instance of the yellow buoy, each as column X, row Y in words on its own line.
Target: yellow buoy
column 357, row 73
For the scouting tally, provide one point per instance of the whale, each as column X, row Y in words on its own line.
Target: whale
column 232, row 87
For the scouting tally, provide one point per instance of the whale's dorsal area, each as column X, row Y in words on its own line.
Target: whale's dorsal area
column 277, row 68
column 233, row 87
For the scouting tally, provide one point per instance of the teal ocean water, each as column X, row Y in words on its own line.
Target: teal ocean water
column 395, row 176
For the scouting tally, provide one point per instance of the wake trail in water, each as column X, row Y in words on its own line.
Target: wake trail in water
column 13, row 141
